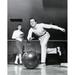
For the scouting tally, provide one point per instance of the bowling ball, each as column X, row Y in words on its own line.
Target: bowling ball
column 30, row 59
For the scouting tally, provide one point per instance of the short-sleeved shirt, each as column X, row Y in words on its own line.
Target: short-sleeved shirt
column 17, row 35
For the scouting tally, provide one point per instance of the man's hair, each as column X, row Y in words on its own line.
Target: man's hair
column 32, row 18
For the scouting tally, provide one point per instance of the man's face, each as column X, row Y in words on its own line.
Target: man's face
column 32, row 22
column 19, row 27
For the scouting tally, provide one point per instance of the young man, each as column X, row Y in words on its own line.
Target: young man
column 18, row 36
column 39, row 30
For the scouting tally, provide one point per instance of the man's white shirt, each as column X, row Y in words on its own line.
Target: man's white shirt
column 38, row 30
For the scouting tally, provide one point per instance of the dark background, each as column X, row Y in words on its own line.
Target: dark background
column 46, row 11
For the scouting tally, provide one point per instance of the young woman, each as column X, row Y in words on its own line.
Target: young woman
column 18, row 36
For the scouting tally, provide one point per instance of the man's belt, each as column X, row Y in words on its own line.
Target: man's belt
column 43, row 34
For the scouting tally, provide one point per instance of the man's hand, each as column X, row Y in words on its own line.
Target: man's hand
column 63, row 30
column 30, row 39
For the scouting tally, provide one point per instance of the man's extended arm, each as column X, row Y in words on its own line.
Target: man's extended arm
column 50, row 26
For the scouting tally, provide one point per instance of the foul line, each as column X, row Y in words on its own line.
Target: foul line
column 49, row 40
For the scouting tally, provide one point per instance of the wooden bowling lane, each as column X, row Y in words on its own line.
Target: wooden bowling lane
column 42, row 70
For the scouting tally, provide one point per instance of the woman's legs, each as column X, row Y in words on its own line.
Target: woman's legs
column 20, row 58
column 16, row 60
column 19, row 46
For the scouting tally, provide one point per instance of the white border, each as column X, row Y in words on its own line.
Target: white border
column 3, row 37
column 71, row 37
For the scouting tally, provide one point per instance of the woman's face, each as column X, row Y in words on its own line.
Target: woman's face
column 19, row 27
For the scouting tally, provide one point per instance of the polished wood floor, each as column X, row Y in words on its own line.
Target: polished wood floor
column 40, row 70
